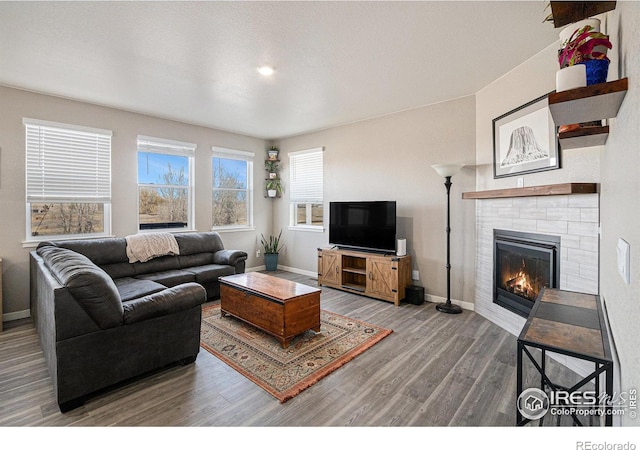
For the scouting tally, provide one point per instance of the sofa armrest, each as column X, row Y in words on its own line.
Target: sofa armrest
column 229, row 257
column 168, row 301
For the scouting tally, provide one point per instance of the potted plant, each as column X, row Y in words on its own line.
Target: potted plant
column 272, row 168
column 273, row 152
column 587, row 46
column 271, row 248
column 583, row 61
column 274, row 188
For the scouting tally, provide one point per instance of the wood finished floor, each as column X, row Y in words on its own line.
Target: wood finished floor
column 433, row 370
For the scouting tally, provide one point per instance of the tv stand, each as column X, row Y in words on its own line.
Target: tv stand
column 376, row 275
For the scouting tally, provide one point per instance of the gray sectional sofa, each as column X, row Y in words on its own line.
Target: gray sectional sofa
column 103, row 320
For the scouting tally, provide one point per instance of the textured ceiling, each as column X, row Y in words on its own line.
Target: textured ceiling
column 336, row 62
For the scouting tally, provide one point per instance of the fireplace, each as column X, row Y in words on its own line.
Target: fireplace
column 523, row 264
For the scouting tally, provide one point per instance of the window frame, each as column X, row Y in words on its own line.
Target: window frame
column 308, row 202
column 101, row 187
column 161, row 146
column 240, row 155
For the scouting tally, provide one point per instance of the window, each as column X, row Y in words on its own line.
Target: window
column 306, row 189
column 68, row 174
column 165, row 184
column 232, row 172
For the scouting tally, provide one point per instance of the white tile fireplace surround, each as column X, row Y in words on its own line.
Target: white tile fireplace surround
column 574, row 218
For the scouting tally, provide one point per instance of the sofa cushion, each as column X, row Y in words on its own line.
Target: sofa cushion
column 119, row 270
column 169, row 278
column 210, row 272
column 130, row 288
column 160, row 264
column 167, row 301
column 198, row 259
column 100, row 251
column 89, row 285
column 192, row 243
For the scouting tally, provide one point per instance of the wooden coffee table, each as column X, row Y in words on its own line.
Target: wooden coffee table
column 279, row 307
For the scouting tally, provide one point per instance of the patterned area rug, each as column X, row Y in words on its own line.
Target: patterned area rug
column 284, row 373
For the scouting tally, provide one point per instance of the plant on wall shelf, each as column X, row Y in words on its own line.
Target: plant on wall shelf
column 584, row 45
column 274, row 187
column 272, row 168
column 273, row 152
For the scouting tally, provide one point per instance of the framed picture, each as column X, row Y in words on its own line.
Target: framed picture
column 525, row 140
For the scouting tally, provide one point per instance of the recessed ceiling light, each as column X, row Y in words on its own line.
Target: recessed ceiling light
column 266, row 70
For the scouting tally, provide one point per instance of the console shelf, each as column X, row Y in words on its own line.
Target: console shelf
column 352, row 270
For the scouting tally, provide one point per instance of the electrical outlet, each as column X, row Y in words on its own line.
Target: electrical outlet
column 257, row 253
column 415, row 275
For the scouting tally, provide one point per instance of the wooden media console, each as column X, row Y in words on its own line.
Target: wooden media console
column 376, row 275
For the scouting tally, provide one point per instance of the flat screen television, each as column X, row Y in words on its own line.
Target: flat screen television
column 368, row 225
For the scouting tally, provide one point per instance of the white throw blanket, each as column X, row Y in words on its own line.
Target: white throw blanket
column 146, row 246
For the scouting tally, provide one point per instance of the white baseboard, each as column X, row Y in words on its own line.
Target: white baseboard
column 286, row 269
column 8, row 317
column 464, row 305
column 299, row 271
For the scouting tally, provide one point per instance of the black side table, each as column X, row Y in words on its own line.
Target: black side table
column 568, row 323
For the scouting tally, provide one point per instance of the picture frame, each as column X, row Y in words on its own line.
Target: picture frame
column 525, row 140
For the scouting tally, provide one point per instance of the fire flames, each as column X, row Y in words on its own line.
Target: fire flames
column 520, row 284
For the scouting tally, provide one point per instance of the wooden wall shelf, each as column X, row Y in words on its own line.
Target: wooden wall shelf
column 565, row 13
column 585, row 137
column 535, row 191
column 589, row 103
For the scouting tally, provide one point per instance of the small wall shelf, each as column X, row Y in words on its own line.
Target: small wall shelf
column 587, row 104
column 586, row 137
column 565, row 13
column 274, row 165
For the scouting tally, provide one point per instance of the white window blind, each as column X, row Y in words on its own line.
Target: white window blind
column 306, row 176
column 227, row 153
column 157, row 145
column 67, row 163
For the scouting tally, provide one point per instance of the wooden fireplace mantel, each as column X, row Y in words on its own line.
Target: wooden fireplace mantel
column 535, row 191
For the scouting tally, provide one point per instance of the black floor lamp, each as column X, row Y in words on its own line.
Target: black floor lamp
column 447, row 171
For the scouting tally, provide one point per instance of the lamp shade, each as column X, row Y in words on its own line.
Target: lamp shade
column 447, row 170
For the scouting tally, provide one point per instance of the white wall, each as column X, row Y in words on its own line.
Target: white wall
column 390, row 158
column 126, row 126
column 620, row 198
